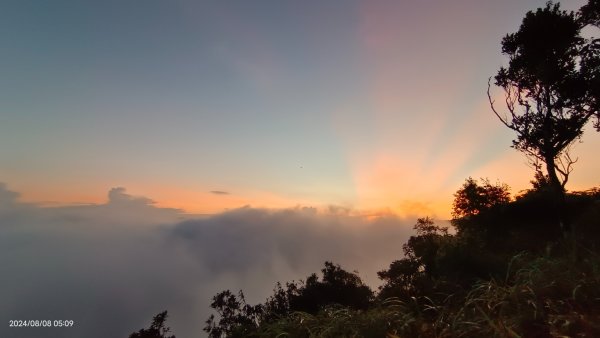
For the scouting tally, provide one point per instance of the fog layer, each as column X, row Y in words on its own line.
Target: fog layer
column 111, row 267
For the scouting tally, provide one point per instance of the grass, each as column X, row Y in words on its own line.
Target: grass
column 539, row 297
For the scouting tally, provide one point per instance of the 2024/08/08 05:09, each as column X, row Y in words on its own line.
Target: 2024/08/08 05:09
column 41, row 323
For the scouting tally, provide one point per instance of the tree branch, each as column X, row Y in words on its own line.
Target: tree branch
column 565, row 166
column 504, row 121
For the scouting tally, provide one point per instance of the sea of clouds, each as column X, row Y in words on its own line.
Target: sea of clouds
column 111, row 267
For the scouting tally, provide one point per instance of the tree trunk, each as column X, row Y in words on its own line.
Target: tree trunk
column 555, row 183
column 559, row 201
column 558, row 196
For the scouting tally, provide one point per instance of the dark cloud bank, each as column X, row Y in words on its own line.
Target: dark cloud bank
column 111, row 267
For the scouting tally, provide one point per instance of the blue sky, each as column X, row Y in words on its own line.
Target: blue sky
column 372, row 105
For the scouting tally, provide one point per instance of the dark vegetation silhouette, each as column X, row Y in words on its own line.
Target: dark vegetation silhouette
column 502, row 274
column 156, row 330
column 507, row 269
column 336, row 286
column 550, row 90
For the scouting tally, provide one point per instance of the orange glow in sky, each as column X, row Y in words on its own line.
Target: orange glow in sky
column 376, row 106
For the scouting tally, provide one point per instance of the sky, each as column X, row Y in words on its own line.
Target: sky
column 137, row 137
column 377, row 105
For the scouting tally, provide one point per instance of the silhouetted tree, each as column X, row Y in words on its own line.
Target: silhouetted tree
column 473, row 198
column 414, row 273
column 400, row 278
column 156, row 330
column 236, row 317
column 423, row 248
column 551, row 86
column 337, row 286
column 589, row 15
column 540, row 181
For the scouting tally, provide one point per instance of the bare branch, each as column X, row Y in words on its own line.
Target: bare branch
column 565, row 165
column 504, row 121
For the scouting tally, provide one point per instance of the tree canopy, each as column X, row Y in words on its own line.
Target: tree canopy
column 550, row 85
column 337, row 287
column 156, row 330
column 473, row 198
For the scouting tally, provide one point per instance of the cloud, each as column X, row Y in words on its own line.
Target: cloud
column 219, row 192
column 111, row 267
column 118, row 195
column 7, row 197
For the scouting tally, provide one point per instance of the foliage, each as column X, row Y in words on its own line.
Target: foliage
column 503, row 274
column 236, row 317
column 539, row 296
column 472, row 198
column 413, row 272
column 332, row 321
column 550, row 86
column 156, row 330
column 589, row 14
column 336, row 287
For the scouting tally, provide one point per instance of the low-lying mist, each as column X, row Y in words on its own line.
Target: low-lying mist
column 111, row 267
